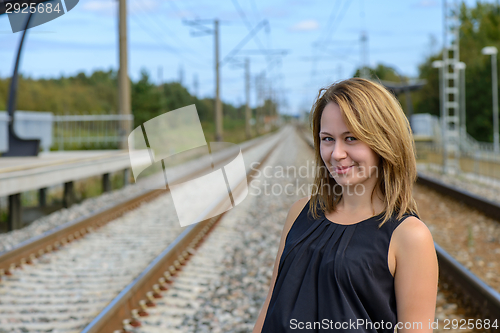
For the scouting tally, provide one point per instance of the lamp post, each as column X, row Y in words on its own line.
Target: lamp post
column 440, row 65
column 491, row 50
column 461, row 66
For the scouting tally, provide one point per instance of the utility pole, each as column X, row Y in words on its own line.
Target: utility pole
column 124, row 102
column 247, row 96
column 364, row 55
column 218, row 64
column 218, row 106
column 181, row 75
column 203, row 31
column 495, row 102
column 195, row 85
column 491, row 50
column 262, row 100
column 160, row 75
column 161, row 88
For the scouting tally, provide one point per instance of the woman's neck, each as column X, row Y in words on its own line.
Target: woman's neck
column 355, row 203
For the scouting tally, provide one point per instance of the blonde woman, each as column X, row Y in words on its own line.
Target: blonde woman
column 354, row 256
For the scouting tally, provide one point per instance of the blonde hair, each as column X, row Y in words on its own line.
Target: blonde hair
column 375, row 117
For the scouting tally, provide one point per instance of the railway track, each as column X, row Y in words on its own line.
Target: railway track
column 45, row 260
column 177, row 300
column 480, row 299
column 167, row 291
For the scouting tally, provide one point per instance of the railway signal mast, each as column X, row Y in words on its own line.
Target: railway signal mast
column 450, row 88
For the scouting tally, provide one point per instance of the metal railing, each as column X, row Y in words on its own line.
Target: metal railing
column 89, row 131
column 469, row 144
column 475, row 158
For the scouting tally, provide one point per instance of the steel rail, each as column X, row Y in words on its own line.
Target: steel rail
column 486, row 206
column 27, row 251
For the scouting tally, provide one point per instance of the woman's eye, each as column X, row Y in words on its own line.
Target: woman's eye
column 350, row 138
column 326, row 138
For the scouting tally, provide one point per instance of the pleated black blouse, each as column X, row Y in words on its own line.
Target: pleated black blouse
column 334, row 277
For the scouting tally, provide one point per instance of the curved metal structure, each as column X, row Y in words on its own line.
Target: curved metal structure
column 18, row 146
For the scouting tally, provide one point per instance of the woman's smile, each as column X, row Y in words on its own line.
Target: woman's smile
column 342, row 170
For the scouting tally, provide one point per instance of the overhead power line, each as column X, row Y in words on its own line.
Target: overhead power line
column 160, row 33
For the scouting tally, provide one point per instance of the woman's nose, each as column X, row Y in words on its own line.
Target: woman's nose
column 338, row 152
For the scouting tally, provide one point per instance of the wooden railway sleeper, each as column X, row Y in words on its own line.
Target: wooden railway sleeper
column 148, row 303
column 143, row 308
column 167, row 277
column 136, row 316
column 151, row 298
column 162, row 284
column 130, row 324
column 140, row 312
column 157, row 291
column 31, row 259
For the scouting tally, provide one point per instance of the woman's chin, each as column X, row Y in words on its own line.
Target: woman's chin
column 347, row 181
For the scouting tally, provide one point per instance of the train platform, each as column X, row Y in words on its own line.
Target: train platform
column 27, row 173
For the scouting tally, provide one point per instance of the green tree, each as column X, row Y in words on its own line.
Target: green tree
column 479, row 27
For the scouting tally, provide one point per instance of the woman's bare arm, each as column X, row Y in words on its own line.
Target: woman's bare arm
column 293, row 213
column 416, row 276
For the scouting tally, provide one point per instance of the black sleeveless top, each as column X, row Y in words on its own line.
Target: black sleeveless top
column 334, row 277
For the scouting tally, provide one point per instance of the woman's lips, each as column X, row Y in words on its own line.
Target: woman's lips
column 341, row 171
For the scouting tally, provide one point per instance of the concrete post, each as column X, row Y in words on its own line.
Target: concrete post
column 69, row 195
column 106, row 183
column 42, row 197
column 15, row 213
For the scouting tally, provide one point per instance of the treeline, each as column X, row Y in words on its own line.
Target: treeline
column 98, row 94
column 479, row 27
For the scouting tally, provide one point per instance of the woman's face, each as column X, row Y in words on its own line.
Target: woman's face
column 349, row 160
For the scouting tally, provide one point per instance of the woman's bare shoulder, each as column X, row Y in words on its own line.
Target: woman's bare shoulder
column 295, row 210
column 413, row 234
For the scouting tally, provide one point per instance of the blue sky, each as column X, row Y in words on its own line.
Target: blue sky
column 86, row 39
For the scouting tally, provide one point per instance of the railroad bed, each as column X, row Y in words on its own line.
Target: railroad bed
column 221, row 288
column 230, row 299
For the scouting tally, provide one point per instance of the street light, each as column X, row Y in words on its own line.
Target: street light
column 463, row 131
column 440, row 65
column 491, row 50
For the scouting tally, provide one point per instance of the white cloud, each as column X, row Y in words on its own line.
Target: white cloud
column 307, row 25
